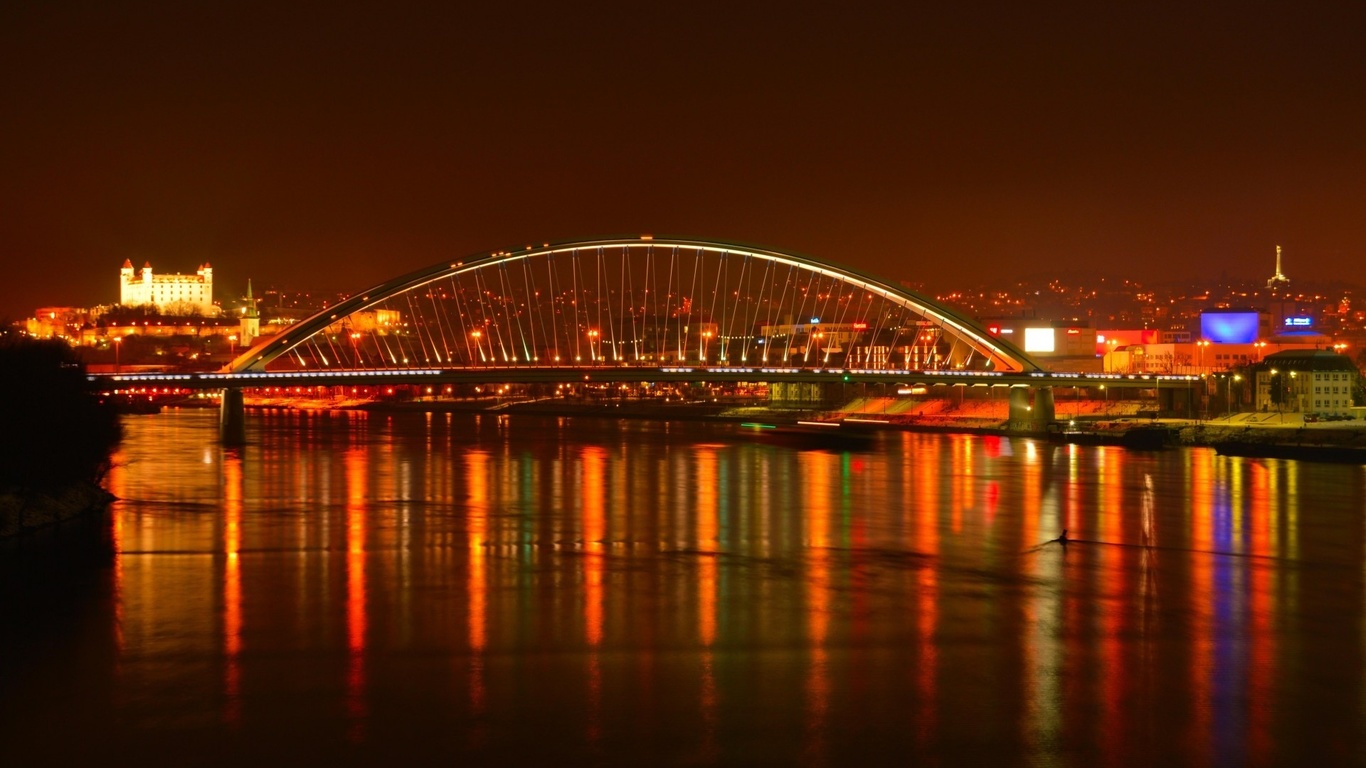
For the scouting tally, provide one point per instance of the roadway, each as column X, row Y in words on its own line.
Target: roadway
column 628, row 374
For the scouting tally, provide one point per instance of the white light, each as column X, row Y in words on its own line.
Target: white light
column 1039, row 340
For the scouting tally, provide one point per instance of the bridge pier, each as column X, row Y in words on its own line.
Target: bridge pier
column 1026, row 416
column 232, row 418
column 820, row 395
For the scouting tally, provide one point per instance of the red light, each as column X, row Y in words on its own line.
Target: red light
column 860, row 326
column 994, row 330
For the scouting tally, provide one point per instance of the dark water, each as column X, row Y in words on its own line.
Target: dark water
column 355, row 588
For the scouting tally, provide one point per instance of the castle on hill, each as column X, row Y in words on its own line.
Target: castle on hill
column 168, row 293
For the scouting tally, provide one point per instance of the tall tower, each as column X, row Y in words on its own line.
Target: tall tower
column 1278, row 280
column 204, row 295
column 250, row 326
column 126, row 295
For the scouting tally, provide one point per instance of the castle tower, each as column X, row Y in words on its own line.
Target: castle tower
column 126, row 292
column 250, row 325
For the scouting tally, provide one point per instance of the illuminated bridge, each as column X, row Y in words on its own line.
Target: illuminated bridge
column 635, row 309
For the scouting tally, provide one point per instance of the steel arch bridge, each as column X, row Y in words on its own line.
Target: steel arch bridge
column 640, row 303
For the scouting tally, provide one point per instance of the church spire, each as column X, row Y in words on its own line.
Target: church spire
column 250, row 323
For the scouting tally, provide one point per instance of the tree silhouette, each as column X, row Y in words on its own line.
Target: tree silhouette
column 54, row 428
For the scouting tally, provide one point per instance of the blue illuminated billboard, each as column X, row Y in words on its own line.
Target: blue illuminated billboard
column 1229, row 327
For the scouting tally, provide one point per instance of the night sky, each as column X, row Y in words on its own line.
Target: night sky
column 332, row 145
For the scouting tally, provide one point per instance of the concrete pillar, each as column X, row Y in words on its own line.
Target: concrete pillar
column 1031, row 414
column 806, row 394
column 232, row 418
column 1044, row 412
column 1020, row 416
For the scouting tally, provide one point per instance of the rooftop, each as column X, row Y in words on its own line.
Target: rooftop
column 1309, row 360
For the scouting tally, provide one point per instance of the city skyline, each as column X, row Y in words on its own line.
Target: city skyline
column 925, row 145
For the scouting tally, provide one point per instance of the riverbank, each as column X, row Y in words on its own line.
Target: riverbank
column 614, row 409
column 25, row 511
column 57, row 433
column 1086, row 422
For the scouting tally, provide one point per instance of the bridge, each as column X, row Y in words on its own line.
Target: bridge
column 639, row 309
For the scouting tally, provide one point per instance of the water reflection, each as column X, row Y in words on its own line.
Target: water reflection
column 453, row 584
column 232, row 585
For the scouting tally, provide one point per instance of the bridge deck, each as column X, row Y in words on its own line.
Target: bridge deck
column 625, row 374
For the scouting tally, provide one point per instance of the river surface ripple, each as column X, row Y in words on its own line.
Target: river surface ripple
column 356, row 588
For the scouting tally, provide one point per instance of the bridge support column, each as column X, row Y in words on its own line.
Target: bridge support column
column 1027, row 416
column 232, row 418
column 806, row 394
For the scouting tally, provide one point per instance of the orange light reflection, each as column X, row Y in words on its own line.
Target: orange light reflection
column 355, row 464
column 817, row 471
column 476, row 531
column 232, row 585
column 1202, row 660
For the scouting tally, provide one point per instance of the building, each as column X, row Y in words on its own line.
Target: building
column 170, row 294
column 1234, row 326
column 57, row 323
column 1321, row 382
column 1058, row 345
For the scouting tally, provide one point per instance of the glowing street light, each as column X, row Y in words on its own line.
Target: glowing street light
column 477, row 335
column 593, row 344
column 118, row 342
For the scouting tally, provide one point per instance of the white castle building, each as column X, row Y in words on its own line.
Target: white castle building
column 167, row 292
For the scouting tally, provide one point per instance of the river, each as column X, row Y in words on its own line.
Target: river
column 352, row 588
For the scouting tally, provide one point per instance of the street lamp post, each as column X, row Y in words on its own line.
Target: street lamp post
column 477, row 335
column 118, row 342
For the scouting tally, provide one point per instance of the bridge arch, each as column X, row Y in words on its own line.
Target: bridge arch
column 636, row 301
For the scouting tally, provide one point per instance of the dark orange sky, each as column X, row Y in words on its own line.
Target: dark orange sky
column 332, row 145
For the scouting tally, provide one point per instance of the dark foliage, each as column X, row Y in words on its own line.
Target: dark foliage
column 54, row 429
